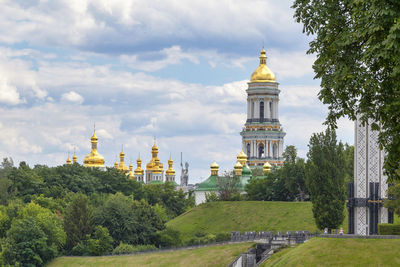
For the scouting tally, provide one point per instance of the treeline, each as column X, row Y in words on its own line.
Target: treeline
column 285, row 183
column 73, row 210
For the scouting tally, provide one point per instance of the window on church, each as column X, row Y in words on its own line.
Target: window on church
column 261, row 110
column 261, row 151
column 252, row 109
column 275, row 150
column 248, row 150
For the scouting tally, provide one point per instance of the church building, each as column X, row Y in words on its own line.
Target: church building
column 262, row 134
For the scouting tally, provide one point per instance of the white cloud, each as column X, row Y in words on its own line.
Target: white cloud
column 72, row 97
column 290, row 64
column 8, row 93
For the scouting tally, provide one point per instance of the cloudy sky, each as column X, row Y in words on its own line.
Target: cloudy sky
column 177, row 70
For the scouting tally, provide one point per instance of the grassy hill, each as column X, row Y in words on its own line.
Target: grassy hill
column 224, row 217
column 339, row 252
column 208, row 256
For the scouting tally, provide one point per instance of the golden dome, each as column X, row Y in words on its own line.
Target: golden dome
column 170, row 170
column 131, row 167
column 263, row 73
column 94, row 159
column 238, row 168
column 116, row 165
column 214, row 168
column 74, row 158
column 68, row 161
column 122, row 166
column 267, row 167
column 242, row 158
column 139, row 170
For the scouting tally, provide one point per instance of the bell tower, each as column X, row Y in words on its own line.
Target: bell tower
column 262, row 134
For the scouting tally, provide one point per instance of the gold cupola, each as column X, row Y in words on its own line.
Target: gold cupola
column 94, row 159
column 68, row 160
column 214, row 169
column 267, row 168
column 262, row 73
column 130, row 173
column 116, row 164
column 139, row 170
column 122, row 167
column 170, row 170
column 74, row 158
column 242, row 158
column 238, row 169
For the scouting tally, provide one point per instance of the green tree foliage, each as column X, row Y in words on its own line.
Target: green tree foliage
column 175, row 201
column 101, row 243
column 26, row 245
column 129, row 221
column 25, row 182
column 285, row 183
column 348, row 154
column 357, row 45
column 5, row 221
column 293, row 171
column 5, row 184
column 35, row 237
column 78, row 220
column 325, row 179
column 169, row 238
column 228, row 186
column 393, row 202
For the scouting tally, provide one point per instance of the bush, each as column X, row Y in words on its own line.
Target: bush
column 223, row 237
column 126, row 248
column 169, row 238
column 211, row 197
column 388, row 229
column 99, row 244
column 208, row 238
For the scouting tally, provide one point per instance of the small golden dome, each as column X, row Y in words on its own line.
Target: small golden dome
column 74, row 158
column 94, row 159
column 238, row 168
column 170, row 170
column 263, row 73
column 214, row 165
column 267, row 167
column 68, row 161
column 139, row 170
column 116, row 165
column 242, row 158
column 238, row 165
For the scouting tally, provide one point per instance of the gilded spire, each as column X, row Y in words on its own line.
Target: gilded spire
column 214, row 168
column 139, row 170
column 122, row 166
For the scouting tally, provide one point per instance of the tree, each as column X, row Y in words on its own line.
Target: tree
column 130, row 221
column 228, row 185
column 35, row 237
column 393, row 202
column 348, row 163
column 259, row 189
column 78, row 220
column 357, row 45
column 293, row 171
column 325, row 179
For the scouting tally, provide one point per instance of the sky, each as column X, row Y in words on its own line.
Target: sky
column 172, row 70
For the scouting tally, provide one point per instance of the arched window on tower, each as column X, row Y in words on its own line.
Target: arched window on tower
column 261, row 110
column 248, row 150
column 261, row 153
column 270, row 110
column 275, row 150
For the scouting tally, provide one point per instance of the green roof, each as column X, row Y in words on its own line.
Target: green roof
column 156, row 182
column 208, row 185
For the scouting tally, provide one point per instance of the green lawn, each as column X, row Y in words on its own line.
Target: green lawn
column 339, row 252
column 224, row 217
column 220, row 255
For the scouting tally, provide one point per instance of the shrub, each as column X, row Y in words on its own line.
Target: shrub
column 126, row 248
column 222, row 237
column 169, row 238
column 388, row 229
